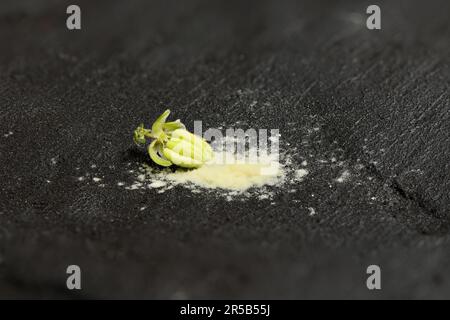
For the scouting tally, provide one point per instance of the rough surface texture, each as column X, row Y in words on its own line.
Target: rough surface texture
column 380, row 101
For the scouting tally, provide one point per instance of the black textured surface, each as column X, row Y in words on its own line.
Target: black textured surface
column 380, row 98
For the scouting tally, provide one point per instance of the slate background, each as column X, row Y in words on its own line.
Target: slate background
column 74, row 96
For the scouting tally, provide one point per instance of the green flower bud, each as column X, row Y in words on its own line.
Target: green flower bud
column 173, row 144
column 187, row 150
column 139, row 135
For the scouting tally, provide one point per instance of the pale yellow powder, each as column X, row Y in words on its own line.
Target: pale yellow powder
column 229, row 176
column 232, row 172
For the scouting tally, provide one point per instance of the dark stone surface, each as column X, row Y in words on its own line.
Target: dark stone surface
column 380, row 98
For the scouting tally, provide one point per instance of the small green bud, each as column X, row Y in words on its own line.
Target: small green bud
column 139, row 135
column 173, row 144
